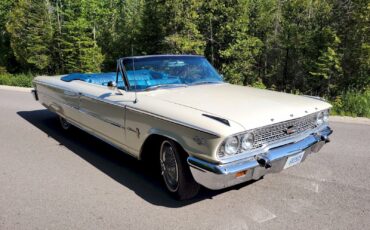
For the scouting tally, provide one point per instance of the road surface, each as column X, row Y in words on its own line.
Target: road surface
column 50, row 179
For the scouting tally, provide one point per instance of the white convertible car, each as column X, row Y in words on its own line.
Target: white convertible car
column 178, row 112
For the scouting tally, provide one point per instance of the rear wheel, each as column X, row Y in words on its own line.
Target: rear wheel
column 175, row 171
column 64, row 123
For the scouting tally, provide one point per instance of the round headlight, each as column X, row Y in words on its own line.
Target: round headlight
column 247, row 141
column 326, row 116
column 231, row 145
column 320, row 118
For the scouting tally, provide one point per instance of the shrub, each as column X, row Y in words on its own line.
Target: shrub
column 22, row 80
column 352, row 103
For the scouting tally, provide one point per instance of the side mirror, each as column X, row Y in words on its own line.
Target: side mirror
column 112, row 84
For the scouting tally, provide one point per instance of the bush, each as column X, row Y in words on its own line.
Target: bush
column 22, row 80
column 352, row 103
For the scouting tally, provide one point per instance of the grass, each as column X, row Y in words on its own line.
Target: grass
column 352, row 103
column 22, row 80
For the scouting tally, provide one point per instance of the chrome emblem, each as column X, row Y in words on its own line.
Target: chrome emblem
column 290, row 130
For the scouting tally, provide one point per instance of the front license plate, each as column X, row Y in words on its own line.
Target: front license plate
column 294, row 160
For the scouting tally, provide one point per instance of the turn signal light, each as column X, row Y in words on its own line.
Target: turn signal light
column 241, row 173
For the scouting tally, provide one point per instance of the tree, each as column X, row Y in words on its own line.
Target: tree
column 30, row 32
column 327, row 68
column 229, row 45
column 5, row 53
column 79, row 49
column 351, row 20
column 182, row 33
column 152, row 32
column 130, row 29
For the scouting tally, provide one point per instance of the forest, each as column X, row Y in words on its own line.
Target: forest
column 312, row 47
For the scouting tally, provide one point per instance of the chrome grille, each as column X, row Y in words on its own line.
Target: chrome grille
column 272, row 133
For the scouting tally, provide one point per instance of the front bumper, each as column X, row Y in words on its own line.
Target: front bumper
column 218, row 176
column 35, row 94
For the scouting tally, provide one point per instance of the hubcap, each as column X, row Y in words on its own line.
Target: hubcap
column 64, row 123
column 169, row 166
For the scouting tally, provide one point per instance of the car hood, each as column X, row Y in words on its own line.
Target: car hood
column 249, row 107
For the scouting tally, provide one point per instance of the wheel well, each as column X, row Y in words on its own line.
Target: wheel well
column 150, row 149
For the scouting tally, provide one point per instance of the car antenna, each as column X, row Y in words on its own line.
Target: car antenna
column 133, row 68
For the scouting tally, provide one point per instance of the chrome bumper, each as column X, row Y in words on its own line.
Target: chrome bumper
column 218, row 176
column 35, row 94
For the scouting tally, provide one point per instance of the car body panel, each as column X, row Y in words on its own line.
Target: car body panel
column 175, row 113
column 247, row 106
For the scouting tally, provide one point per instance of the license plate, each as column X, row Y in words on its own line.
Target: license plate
column 294, row 160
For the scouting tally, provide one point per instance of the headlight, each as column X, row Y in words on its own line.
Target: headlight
column 231, row 145
column 236, row 144
column 326, row 116
column 247, row 141
column 320, row 118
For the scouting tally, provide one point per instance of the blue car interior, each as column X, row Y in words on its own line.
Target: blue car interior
column 141, row 78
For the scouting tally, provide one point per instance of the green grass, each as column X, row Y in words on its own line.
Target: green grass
column 22, row 80
column 352, row 103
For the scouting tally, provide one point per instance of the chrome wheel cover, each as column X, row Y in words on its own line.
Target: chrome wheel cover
column 64, row 123
column 169, row 167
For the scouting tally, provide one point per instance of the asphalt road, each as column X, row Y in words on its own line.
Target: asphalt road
column 50, row 179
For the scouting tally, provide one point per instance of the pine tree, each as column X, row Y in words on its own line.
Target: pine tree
column 152, row 33
column 130, row 29
column 183, row 35
column 230, row 45
column 79, row 49
column 31, row 32
column 5, row 52
column 351, row 20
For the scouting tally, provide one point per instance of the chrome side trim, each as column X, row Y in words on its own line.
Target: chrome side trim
column 51, row 85
column 91, row 114
column 218, row 176
column 153, row 115
column 138, row 110
column 70, row 93
column 57, row 100
column 100, row 137
column 174, row 121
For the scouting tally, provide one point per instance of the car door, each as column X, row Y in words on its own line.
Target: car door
column 104, row 116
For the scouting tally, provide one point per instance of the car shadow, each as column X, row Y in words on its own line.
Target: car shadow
column 121, row 167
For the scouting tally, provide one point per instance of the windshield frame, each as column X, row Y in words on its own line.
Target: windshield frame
column 123, row 62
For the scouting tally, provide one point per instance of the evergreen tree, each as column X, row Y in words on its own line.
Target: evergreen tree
column 130, row 29
column 79, row 49
column 182, row 33
column 30, row 29
column 307, row 46
column 153, row 31
column 230, row 46
column 5, row 52
column 351, row 20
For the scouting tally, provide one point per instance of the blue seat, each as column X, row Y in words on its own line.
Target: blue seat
column 141, row 78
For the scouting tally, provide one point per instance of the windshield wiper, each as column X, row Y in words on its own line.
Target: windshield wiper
column 154, row 87
column 206, row 82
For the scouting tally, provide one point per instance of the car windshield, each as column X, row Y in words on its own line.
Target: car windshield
column 154, row 72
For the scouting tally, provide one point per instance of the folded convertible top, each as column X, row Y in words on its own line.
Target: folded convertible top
column 90, row 77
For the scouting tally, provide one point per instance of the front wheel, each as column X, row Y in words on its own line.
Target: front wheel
column 64, row 123
column 175, row 171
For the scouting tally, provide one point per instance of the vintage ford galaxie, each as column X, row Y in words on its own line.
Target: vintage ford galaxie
column 178, row 112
